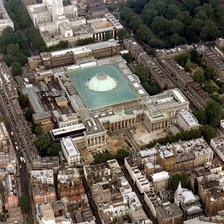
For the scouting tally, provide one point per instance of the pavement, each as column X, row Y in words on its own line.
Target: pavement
column 140, row 196
column 22, row 176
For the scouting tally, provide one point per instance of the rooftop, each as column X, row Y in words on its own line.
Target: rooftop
column 160, row 176
column 168, row 211
column 97, row 99
column 70, row 147
column 189, row 118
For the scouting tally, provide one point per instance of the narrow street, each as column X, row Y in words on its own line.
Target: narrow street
column 92, row 204
column 140, row 196
column 23, row 174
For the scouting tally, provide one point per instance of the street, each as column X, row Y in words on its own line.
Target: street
column 23, row 175
column 140, row 196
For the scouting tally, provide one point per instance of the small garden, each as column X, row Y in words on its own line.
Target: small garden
column 192, row 63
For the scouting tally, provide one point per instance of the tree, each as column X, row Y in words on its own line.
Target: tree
column 13, row 49
column 16, row 68
column 135, row 22
column 22, row 101
column 108, row 36
column 42, row 142
column 128, row 57
column 199, row 76
column 54, row 149
column 86, row 41
column 196, row 57
column 214, row 113
column 209, row 73
column 202, row 117
column 208, row 132
column 38, row 130
column 102, row 157
column 34, row 36
column 176, row 40
column 209, row 87
column 144, row 33
column 122, row 34
column 29, row 114
column 151, row 88
column 188, row 65
column 176, row 178
column 168, row 20
column 3, row 217
column 61, row 45
column 142, row 72
column 221, row 89
column 182, row 59
column 24, row 202
column 121, row 154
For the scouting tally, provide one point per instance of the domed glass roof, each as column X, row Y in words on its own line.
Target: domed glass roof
column 101, row 83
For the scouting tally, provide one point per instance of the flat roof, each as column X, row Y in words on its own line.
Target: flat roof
column 70, row 147
column 88, row 48
column 189, row 118
column 169, row 211
column 92, row 99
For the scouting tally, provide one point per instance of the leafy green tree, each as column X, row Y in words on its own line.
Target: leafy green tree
column 202, row 117
column 142, row 72
column 218, row 99
column 128, row 57
column 121, row 154
column 209, row 73
column 3, row 217
column 54, row 149
column 209, row 87
column 135, row 22
column 38, row 130
column 29, row 114
column 183, row 136
column 144, row 33
column 122, row 34
column 156, row 43
column 13, row 49
column 24, row 202
column 16, row 68
column 102, row 157
column 210, row 31
column 42, row 142
column 196, row 58
column 168, row 20
column 34, row 36
column 214, row 113
column 22, row 101
column 199, row 76
column 188, row 65
column 86, row 41
column 108, row 36
column 176, row 178
column 151, row 88
column 208, row 132
column 221, row 89
column 177, row 40
column 61, row 45
column 182, row 59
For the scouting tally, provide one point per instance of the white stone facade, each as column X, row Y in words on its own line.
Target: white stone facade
column 186, row 120
column 70, row 151
column 218, row 145
column 5, row 20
